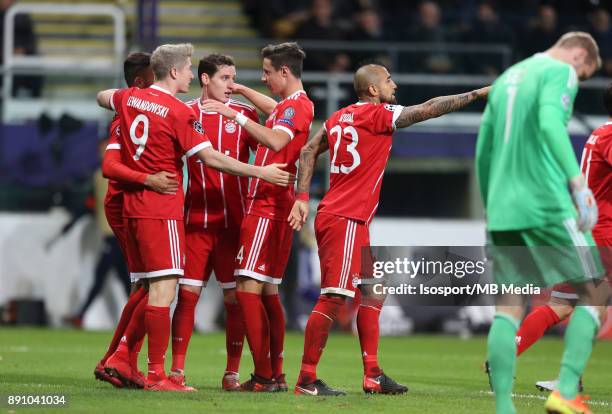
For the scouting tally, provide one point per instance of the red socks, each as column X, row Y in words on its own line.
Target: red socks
column 182, row 326
column 234, row 335
column 157, row 322
column 315, row 336
column 534, row 326
column 134, row 333
column 124, row 320
column 276, row 317
column 368, row 329
column 257, row 331
column 134, row 353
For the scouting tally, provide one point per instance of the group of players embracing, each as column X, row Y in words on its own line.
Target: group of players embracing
column 239, row 228
column 242, row 230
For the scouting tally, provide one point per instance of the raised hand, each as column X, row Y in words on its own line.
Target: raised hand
column 237, row 88
column 210, row 105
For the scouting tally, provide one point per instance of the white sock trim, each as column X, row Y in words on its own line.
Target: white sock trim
column 592, row 310
column 372, row 307
column 321, row 313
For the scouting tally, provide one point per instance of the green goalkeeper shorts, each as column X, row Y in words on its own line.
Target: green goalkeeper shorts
column 544, row 256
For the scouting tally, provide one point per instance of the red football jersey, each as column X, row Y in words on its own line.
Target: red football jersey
column 157, row 129
column 360, row 138
column 114, row 194
column 216, row 199
column 292, row 115
column 596, row 165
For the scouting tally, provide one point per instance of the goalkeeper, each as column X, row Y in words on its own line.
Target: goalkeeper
column 538, row 231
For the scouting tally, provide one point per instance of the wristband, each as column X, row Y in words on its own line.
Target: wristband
column 241, row 119
column 302, row 196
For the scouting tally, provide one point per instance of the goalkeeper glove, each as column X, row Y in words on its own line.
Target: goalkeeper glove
column 587, row 208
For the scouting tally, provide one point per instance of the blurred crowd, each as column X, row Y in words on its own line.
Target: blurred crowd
column 524, row 26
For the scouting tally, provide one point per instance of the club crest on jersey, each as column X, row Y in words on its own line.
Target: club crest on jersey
column 289, row 113
column 118, row 131
column 197, row 126
column 230, row 127
column 565, row 101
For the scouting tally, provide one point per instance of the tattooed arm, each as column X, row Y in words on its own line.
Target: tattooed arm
column 308, row 158
column 438, row 106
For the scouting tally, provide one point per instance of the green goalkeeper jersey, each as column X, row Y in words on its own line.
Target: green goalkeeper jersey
column 524, row 156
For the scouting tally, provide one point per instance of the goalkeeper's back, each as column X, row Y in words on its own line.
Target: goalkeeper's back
column 522, row 183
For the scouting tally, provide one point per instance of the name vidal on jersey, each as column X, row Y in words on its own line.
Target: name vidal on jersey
column 348, row 118
column 147, row 106
column 592, row 139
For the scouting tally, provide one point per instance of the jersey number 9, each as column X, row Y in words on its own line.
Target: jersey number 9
column 141, row 140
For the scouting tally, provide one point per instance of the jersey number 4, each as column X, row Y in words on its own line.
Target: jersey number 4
column 351, row 148
column 240, row 255
column 141, row 140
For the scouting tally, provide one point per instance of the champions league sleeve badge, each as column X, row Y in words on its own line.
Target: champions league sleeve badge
column 289, row 113
column 197, row 126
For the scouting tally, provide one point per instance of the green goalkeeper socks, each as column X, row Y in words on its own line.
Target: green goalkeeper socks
column 579, row 338
column 501, row 354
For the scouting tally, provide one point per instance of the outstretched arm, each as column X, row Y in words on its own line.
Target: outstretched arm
column 263, row 102
column 308, row 158
column 438, row 106
column 104, row 98
column 271, row 173
column 270, row 138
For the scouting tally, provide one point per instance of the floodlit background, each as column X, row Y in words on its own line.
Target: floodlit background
column 58, row 54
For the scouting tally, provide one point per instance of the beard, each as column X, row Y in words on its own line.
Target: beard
column 389, row 99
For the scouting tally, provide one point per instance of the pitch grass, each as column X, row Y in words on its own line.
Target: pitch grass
column 443, row 374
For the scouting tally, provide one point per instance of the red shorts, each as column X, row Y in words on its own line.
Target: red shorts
column 264, row 249
column 567, row 291
column 113, row 210
column 155, row 247
column 114, row 217
column 209, row 250
column 341, row 244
